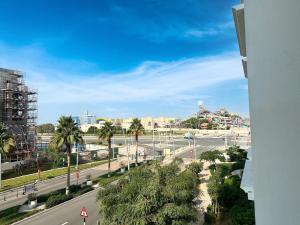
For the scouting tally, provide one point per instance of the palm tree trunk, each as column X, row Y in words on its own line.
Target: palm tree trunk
column 69, row 169
column 109, row 152
column 136, row 149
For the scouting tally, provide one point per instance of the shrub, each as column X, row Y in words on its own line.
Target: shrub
column 57, row 199
column 195, row 167
column 83, row 191
column 32, row 197
column 88, row 176
column 74, row 188
column 243, row 213
column 238, row 165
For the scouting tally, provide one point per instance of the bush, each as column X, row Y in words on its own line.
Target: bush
column 195, row 167
column 57, row 199
column 32, row 197
column 83, row 191
column 44, row 197
column 238, row 165
column 243, row 213
column 74, row 188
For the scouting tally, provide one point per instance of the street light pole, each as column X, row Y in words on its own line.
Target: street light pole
column 0, row 171
column 77, row 155
column 194, row 146
column 226, row 144
column 153, row 142
column 126, row 143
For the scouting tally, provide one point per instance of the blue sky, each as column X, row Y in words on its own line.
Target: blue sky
column 123, row 58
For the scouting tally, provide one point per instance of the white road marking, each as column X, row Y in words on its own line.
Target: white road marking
column 65, row 223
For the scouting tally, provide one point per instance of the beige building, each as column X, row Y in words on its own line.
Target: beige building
column 148, row 122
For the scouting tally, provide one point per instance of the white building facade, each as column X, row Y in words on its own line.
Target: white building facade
column 269, row 32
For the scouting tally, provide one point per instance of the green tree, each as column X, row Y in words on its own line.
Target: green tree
column 92, row 130
column 212, row 156
column 45, row 128
column 192, row 123
column 136, row 128
column 236, row 154
column 106, row 133
column 153, row 194
column 243, row 213
column 66, row 135
column 7, row 143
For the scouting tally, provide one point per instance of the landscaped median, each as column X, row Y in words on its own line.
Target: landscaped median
column 44, row 175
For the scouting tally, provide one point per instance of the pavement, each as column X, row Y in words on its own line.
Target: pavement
column 15, row 197
column 67, row 213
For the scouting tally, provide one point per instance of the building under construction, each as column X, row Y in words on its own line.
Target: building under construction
column 18, row 111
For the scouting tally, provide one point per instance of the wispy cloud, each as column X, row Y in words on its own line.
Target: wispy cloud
column 216, row 29
column 177, row 80
column 159, row 21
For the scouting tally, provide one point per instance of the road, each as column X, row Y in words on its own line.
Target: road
column 67, row 213
column 15, row 197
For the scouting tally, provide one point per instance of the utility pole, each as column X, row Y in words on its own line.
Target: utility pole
column 126, row 143
column 153, row 142
column 0, row 171
column 226, row 144
column 173, row 143
column 194, row 147
column 77, row 155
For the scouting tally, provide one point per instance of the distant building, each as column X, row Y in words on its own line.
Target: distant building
column 148, row 123
column 87, row 118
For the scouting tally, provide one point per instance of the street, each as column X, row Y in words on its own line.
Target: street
column 67, row 213
column 14, row 197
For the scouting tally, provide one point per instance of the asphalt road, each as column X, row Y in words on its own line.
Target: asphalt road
column 67, row 213
column 14, row 197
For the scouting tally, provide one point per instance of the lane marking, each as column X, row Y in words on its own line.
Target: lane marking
column 65, row 223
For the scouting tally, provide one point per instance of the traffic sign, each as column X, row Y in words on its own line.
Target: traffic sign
column 84, row 213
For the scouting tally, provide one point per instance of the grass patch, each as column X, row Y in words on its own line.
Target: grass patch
column 23, row 180
column 11, row 215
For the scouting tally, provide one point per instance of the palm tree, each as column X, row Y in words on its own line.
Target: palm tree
column 66, row 135
column 106, row 133
column 136, row 128
column 6, row 144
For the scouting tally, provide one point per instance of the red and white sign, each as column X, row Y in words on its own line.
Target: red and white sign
column 84, row 213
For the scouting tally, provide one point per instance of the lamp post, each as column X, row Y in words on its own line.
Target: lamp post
column 0, row 171
column 153, row 143
column 127, row 150
column 77, row 155
column 194, row 147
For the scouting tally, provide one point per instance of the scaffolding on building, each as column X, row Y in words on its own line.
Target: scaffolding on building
column 18, row 111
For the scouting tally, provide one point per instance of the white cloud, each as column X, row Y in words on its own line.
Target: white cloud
column 176, row 80
column 213, row 30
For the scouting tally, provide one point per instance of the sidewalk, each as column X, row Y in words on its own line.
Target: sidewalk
column 204, row 197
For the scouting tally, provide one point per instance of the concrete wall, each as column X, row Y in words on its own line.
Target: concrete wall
column 273, row 53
